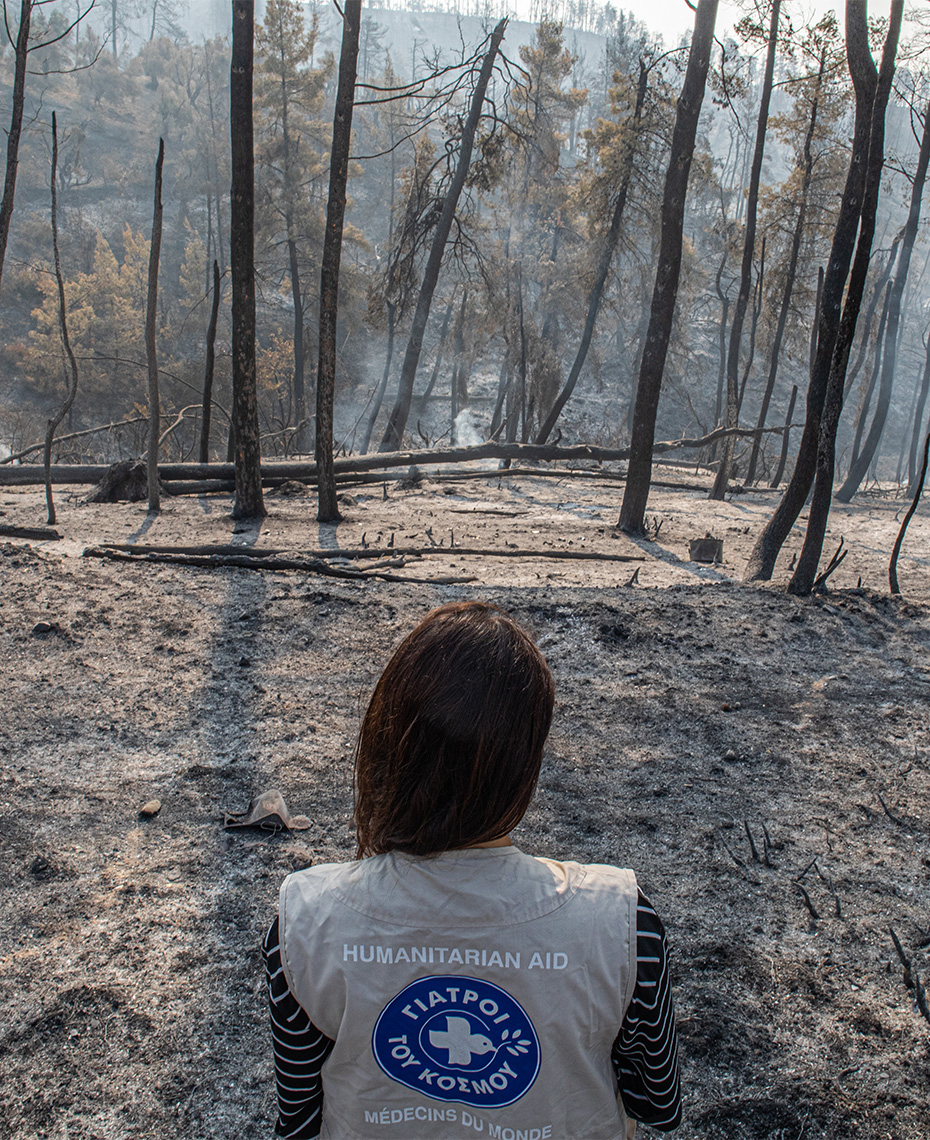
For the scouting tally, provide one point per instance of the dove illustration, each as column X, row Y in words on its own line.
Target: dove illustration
column 460, row 1041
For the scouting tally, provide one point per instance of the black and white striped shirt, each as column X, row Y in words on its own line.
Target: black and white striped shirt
column 644, row 1054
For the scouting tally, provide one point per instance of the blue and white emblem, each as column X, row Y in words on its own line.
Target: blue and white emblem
column 458, row 1039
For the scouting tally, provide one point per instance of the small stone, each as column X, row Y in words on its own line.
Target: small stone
column 730, row 755
column 150, row 809
column 42, row 627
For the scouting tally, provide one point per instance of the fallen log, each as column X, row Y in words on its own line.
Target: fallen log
column 27, row 474
column 266, row 554
column 306, row 565
column 37, row 533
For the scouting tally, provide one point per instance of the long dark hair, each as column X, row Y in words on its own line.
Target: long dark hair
column 450, row 747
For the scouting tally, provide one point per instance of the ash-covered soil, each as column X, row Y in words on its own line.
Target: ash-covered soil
column 763, row 762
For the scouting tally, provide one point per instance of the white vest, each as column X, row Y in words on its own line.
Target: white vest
column 474, row 994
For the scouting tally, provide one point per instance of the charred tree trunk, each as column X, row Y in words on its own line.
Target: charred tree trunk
column 20, row 55
column 504, row 380
column 665, row 291
column 208, row 367
column 749, row 249
column 610, row 246
column 802, row 581
column 300, row 398
column 918, row 421
column 866, row 400
column 798, row 233
column 902, row 451
column 457, row 356
column 877, row 292
column 862, row 68
column 398, row 419
column 328, row 510
column 893, row 563
column 783, row 458
column 244, row 428
column 753, row 328
column 382, row 386
column 66, row 343
column 721, row 342
column 151, row 354
column 437, row 364
column 869, row 448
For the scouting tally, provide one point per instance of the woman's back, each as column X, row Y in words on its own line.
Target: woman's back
column 480, row 988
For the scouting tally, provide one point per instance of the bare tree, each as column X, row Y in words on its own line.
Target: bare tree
column 398, row 419
column 151, row 355
column 249, row 502
column 208, row 367
column 63, row 327
column 607, row 253
column 802, row 581
column 665, row 292
column 749, row 247
column 328, row 510
column 861, row 464
column 918, row 487
column 21, row 51
column 806, row 166
column 865, row 81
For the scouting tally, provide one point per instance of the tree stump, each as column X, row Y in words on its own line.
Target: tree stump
column 124, row 482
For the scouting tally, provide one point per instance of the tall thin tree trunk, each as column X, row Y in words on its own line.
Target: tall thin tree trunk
column 300, row 399
column 918, row 421
column 457, row 351
column 919, row 486
column 290, row 195
column 665, row 291
column 805, row 572
column 244, row 428
column 865, row 76
column 208, row 367
column 877, row 291
column 603, row 268
column 328, row 510
column 504, row 380
column 783, row 458
column 151, row 316
column 753, row 328
column 866, row 400
column 775, row 356
column 721, row 344
column 398, row 418
column 21, row 55
column 899, row 474
column 749, row 248
column 382, row 387
column 870, row 447
column 437, row 364
column 63, row 326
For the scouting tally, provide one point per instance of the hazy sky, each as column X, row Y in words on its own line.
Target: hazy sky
column 672, row 17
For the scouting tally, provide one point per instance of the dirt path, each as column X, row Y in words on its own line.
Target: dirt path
column 690, row 709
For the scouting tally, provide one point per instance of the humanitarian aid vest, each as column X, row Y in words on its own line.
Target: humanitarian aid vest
column 472, row 994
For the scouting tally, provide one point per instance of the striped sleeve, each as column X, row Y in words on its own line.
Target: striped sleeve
column 299, row 1051
column 645, row 1053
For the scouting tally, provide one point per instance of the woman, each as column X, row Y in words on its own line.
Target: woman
column 445, row 984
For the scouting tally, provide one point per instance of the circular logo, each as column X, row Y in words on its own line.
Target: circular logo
column 458, row 1039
